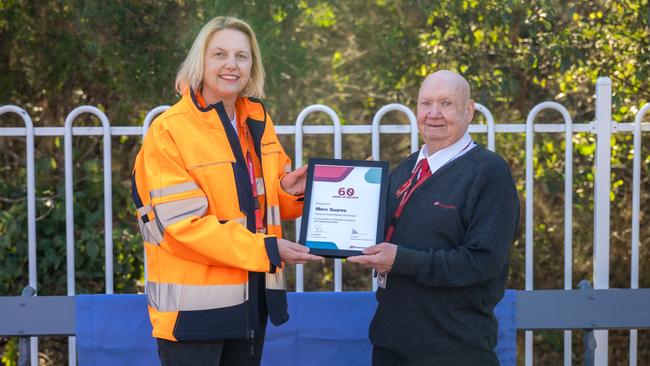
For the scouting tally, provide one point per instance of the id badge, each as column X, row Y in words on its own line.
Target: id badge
column 382, row 278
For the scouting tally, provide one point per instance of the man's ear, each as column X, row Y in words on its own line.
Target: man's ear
column 470, row 110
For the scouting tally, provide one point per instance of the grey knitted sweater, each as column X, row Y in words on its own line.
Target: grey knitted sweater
column 451, row 267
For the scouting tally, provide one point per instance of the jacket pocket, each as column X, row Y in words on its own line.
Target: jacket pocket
column 207, row 164
column 271, row 148
column 217, row 180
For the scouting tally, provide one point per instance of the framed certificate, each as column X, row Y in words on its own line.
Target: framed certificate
column 345, row 205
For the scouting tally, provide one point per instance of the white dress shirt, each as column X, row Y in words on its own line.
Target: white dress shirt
column 233, row 121
column 441, row 157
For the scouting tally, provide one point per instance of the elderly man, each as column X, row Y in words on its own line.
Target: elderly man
column 452, row 215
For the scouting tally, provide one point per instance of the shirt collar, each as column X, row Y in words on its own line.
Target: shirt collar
column 233, row 121
column 447, row 154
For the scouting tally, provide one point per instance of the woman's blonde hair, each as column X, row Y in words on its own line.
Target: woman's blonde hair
column 190, row 73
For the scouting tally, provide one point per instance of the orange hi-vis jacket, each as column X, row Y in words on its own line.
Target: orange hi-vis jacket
column 210, row 274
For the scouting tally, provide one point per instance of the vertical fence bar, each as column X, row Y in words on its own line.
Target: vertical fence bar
column 300, row 280
column 491, row 136
column 69, row 229
column 31, row 210
column 636, row 207
column 25, row 354
column 395, row 107
column 108, row 203
column 338, row 283
column 529, row 225
column 568, row 214
column 338, row 154
column 69, row 208
column 602, row 190
column 145, row 127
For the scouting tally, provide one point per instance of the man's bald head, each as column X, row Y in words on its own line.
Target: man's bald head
column 445, row 109
column 452, row 79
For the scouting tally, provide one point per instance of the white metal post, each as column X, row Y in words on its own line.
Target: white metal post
column 491, row 143
column 568, row 216
column 636, row 207
column 395, row 107
column 375, row 137
column 528, row 342
column 603, row 129
column 69, row 208
column 338, row 278
column 31, row 211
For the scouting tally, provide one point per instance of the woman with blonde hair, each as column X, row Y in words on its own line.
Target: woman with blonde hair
column 211, row 184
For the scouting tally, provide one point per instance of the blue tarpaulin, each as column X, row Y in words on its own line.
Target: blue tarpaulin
column 114, row 330
column 324, row 328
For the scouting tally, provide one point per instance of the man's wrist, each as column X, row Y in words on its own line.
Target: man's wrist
column 410, row 262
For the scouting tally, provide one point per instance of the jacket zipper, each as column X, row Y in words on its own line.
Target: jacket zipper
column 252, row 342
column 246, row 309
column 250, row 332
column 266, row 199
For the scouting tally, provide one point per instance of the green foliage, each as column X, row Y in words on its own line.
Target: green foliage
column 89, row 227
column 10, row 352
column 353, row 56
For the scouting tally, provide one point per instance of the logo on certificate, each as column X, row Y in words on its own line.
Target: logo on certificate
column 344, row 192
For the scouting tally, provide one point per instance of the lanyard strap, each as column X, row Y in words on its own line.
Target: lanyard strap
column 259, row 225
column 419, row 176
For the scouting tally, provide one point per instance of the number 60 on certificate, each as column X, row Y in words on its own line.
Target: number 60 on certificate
column 345, row 205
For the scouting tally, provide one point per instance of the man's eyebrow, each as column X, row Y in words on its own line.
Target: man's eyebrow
column 443, row 96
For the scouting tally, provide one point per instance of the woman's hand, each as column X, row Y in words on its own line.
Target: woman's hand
column 294, row 182
column 294, row 253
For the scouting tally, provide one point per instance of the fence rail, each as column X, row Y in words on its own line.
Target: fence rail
column 513, row 128
column 602, row 128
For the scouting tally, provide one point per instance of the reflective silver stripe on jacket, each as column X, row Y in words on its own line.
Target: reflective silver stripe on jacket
column 276, row 281
column 175, row 297
column 151, row 232
column 169, row 213
column 178, row 188
column 241, row 220
column 144, row 210
column 273, row 215
column 259, row 182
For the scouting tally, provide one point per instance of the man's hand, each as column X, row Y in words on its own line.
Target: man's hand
column 380, row 257
column 294, row 182
column 294, row 253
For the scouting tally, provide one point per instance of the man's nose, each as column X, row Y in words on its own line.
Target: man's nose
column 434, row 111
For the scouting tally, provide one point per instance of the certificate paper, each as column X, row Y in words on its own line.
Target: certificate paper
column 344, row 206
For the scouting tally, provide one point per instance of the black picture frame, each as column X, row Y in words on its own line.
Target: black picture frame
column 381, row 214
